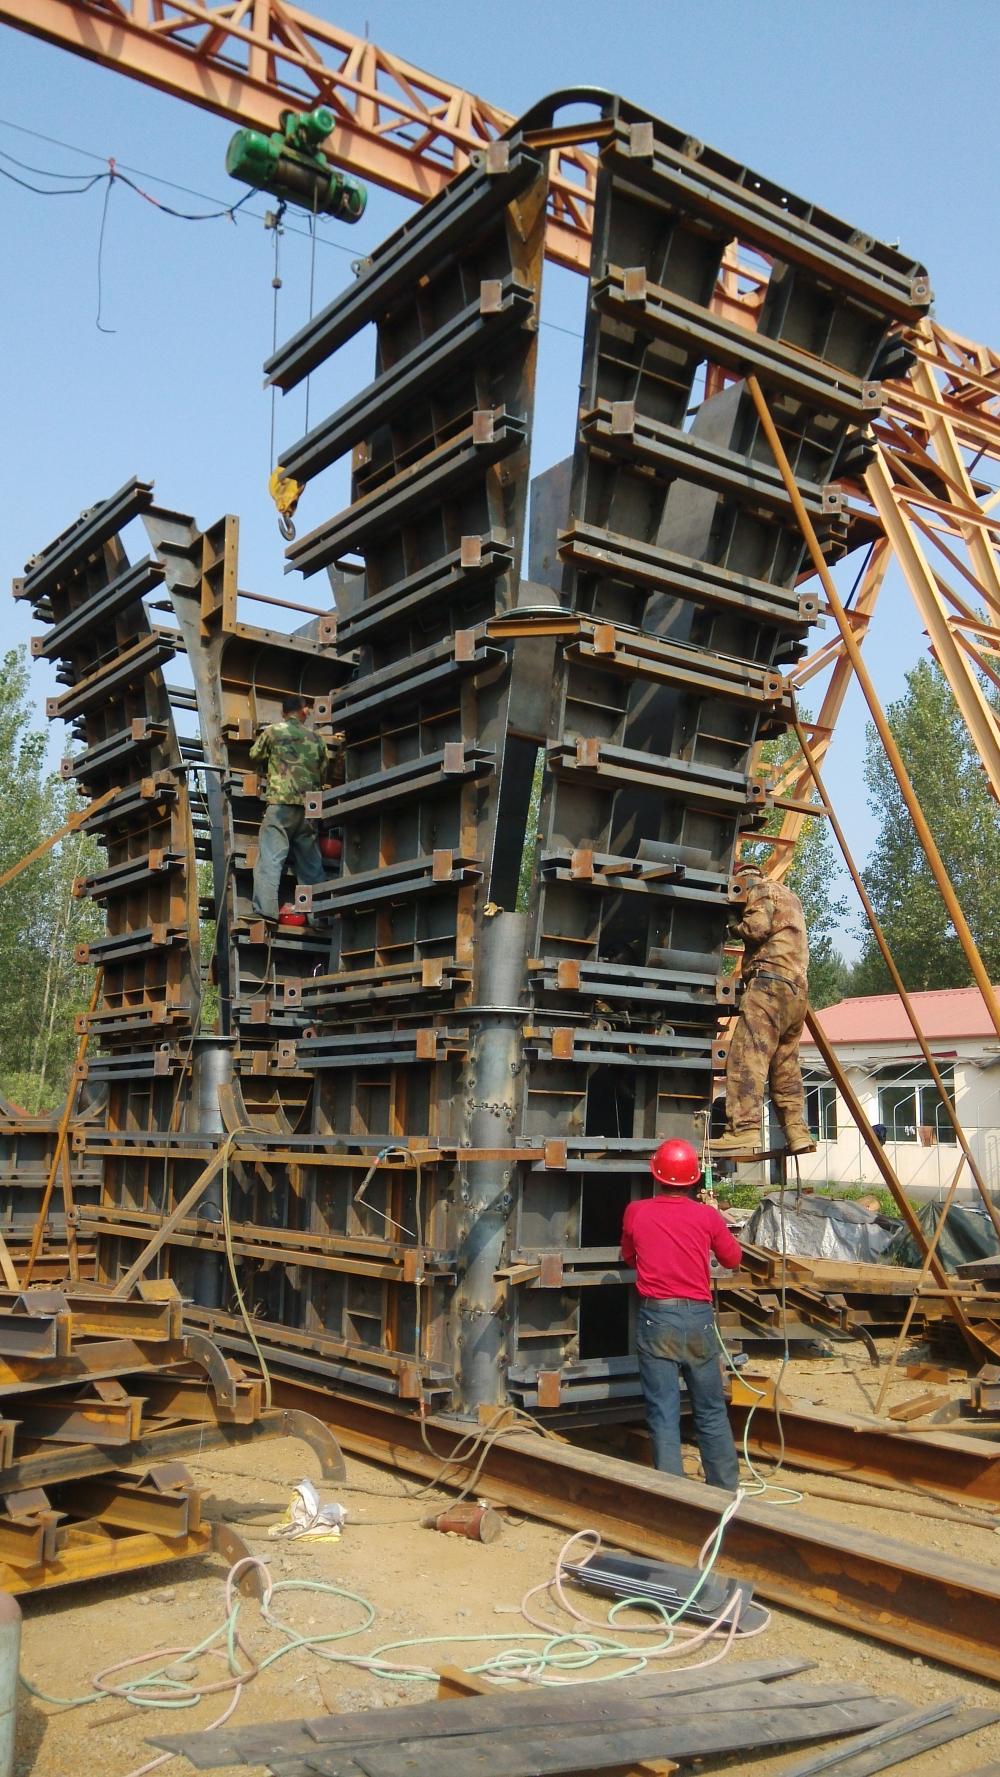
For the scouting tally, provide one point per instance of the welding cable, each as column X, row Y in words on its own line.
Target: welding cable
column 759, row 1487
column 163, row 1688
column 227, row 1229
column 692, row 1638
column 580, row 1649
column 113, row 175
column 42, row 191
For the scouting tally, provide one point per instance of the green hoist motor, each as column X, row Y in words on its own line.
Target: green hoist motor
column 291, row 165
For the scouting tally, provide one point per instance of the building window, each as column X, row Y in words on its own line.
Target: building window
column 821, row 1106
column 909, row 1106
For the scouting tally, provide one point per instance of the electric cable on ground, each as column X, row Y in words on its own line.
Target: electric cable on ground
column 575, row 1651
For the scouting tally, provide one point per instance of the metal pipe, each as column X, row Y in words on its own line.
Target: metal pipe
column 10, row 1654
column 488, row 1194
column 211, row 1069
column 890, row 963
column 886, row 736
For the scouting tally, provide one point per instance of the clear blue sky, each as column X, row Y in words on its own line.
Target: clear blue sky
column 881, row 110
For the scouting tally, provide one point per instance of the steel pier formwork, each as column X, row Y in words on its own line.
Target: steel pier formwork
column 435, row 1098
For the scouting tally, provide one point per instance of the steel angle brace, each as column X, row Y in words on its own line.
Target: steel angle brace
column 609, row 870
column 460, row 657
column 660, row 987
column 612, row 648
column 591, row 549
column 447, row 223
column 483, row 327
column 81, row 541
column 598, row 761
column 632, row 1048
column 337, row 1361
column 125, row 589
column 121, row 947
column 132, row 1023
column 382, row 1259
column 443, row 472
column 454, row 762
column 93, row 1316
column 115, row 676
column 378, row 1048
column 636, row 440
column 473, row 567
column 705, row 184
column 357, row 987
column 629, row 296
column 129, row 874
column 133, row 1064
column 138, row 802
column 396, row 882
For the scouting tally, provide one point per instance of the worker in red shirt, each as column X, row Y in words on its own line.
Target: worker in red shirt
column 668, row 1238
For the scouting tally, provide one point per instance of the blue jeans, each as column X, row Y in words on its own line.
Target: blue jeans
column 677, row 1338
column 284, row 829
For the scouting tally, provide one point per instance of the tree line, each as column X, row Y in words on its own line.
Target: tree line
column 41, row 921
column 965, row 821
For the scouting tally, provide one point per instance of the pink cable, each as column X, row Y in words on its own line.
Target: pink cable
column 691, row 1638
column 165, row 1757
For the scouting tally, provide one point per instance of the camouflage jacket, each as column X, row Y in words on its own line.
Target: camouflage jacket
column 773, row 930
column 297, row 760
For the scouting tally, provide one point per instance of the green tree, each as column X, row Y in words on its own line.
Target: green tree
column 41, row 921
column 965, row 821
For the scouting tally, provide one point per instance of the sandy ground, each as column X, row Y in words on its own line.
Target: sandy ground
column 421, row 1583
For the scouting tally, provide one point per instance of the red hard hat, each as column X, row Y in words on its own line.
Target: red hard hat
column 675, row 1163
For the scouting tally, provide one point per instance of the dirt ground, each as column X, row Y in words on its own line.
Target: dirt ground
column 420, row 1584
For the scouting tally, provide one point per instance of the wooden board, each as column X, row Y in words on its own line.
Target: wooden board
column 547, row 1754
column 253, row 1744
column 902, row 1747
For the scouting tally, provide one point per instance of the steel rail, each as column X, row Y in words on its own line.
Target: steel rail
column 855, row 1448
column 930, row 1604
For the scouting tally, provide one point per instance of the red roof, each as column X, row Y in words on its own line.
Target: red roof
column 880, row 1017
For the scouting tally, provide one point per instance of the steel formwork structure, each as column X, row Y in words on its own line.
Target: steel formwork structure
column 428, row 1108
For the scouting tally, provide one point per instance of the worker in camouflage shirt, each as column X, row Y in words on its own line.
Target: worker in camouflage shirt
column 297, row 760
column 764, row 1048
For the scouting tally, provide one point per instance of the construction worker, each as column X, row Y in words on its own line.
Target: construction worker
column 668, row 1238
column 764, row 1047
column 297, row 761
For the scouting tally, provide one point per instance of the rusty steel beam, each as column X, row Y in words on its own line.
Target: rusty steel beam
column 855, row 1448
column 930, row 1604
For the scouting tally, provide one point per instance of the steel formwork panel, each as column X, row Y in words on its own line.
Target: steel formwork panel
column 441, row 1093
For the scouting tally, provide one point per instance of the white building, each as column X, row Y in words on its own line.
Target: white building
column 877, row 1050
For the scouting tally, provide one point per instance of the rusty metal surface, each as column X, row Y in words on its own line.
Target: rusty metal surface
column 932, row 1604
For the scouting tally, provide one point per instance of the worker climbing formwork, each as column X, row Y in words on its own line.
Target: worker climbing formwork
column 298, row 762
column 764, row 1048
